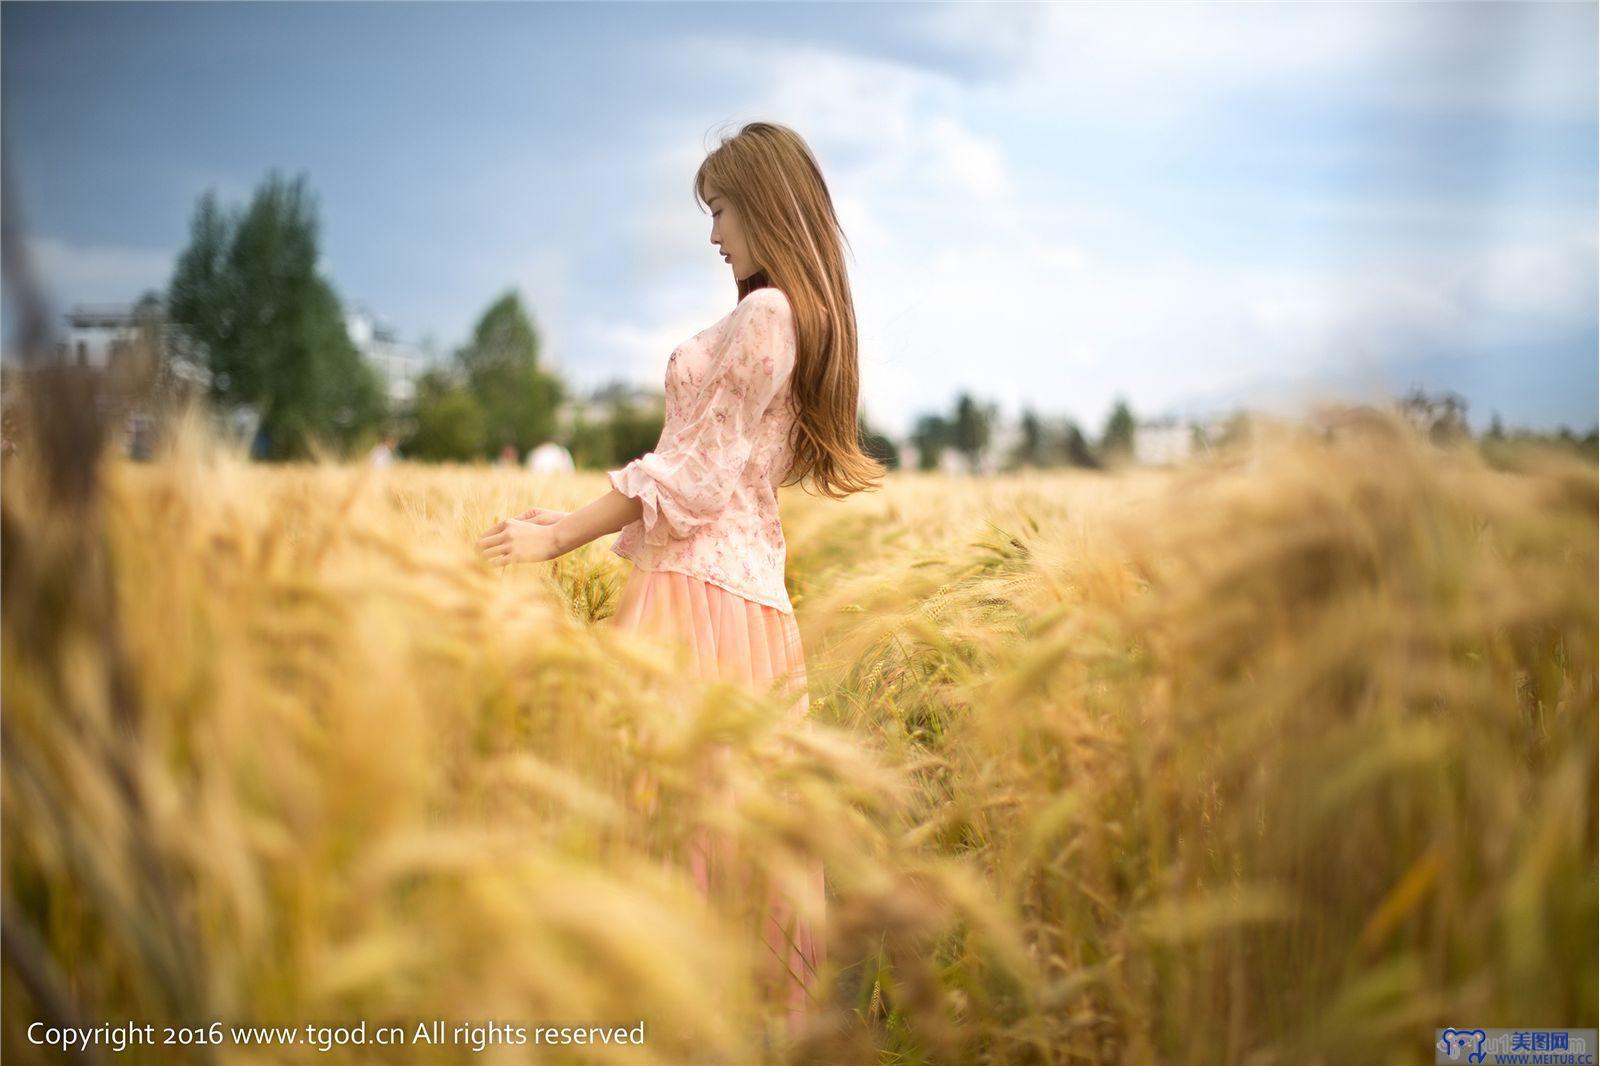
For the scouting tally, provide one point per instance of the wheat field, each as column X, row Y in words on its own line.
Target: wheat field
column 1288, row 756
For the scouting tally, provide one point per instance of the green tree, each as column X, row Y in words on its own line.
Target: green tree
column 500, row 364
column 616, row 431
column 269, row 328
column 1075, row 447
column 590, row 444
column 632, row 430
column 1116, row 442
column 450, row 424
column 1031, row 445
column 970, row 430
column 931, row 435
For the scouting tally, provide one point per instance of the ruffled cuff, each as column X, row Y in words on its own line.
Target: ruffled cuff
column 663, row 516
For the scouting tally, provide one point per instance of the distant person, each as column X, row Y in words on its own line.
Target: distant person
column 765, row 396
column 383, row 453
column 550, row 458
column 508, row 455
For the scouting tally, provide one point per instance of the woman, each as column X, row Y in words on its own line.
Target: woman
column 764, row 397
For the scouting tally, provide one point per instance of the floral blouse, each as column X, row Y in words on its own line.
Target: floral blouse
column 709, row 486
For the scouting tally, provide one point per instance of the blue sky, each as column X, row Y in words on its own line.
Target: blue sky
column 1189, row 205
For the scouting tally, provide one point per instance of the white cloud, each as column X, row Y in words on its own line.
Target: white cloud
column 973, row 274
column 971, row 163
column 1163, row 62
column 1553, row 279
column 98, row 273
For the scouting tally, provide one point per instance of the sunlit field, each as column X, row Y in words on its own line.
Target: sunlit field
column 1285, row 757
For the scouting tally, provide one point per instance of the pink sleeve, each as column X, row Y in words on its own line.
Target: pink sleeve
column 686, row 481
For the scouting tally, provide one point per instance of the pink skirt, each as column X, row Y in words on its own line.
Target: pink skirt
column 732, row 638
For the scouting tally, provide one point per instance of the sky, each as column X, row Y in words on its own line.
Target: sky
column 1189, row 206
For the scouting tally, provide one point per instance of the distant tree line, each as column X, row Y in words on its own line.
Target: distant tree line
column 266, row 329
column 1499, row 443
column 968, row 431
column 616, row 428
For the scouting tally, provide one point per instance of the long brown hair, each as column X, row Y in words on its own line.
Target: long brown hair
column 790, row 228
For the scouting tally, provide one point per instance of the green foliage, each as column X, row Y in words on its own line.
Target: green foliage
column 1051, row 442
column 450, row 423
column 504, row 340
column 633, row 431
column 626, row 432
column 1076, row 449
column 590, row 445
column 500, row 365
column 1116, row 442
column 1521, row 448
column 270, row 329
column 492, row 392
column 971, row 429
column 932, row 435
column 1030, row 448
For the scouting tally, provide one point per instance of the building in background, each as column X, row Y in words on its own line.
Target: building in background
column 599, row 405
column 105, row 335
column 1162, row 442
column 398, row 363
column 138, row 348
column 96, row 333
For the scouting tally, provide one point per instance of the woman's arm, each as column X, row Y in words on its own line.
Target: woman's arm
column 684, row 483
column 608, row 514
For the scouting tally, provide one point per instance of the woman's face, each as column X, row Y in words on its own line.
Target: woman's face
column 727, row 233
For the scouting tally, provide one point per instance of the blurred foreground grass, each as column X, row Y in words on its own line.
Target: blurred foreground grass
column 1286, row 758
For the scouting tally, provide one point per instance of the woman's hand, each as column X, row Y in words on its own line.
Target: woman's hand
column 542, row 515
column 539, row 533
column 519, row 540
